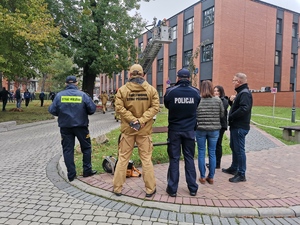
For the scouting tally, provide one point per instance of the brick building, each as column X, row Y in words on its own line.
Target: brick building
column 249, row 36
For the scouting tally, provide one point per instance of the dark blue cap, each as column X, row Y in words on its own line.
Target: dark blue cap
column 71, row 79
column 184, row 73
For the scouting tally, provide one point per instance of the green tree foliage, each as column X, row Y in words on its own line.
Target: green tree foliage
column 99, row 34
column 26, row 32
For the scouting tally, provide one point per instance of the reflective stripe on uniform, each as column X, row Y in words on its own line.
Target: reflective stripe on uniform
column 71, row 99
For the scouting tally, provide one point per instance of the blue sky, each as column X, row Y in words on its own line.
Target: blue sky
column 167, row 8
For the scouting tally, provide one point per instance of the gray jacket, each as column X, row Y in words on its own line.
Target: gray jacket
column 209, row 113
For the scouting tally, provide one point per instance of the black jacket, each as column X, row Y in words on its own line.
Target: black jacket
column 224, row 123
column 240, row 112
column 182, row 101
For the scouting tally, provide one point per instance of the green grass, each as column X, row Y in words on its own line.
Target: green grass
column 33, row 113
column 272, row 123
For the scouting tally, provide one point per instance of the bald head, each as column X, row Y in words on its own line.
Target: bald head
column 241, row 77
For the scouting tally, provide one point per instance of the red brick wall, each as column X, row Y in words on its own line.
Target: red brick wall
column 286, row 51
column 244, row 41
column 282, row 99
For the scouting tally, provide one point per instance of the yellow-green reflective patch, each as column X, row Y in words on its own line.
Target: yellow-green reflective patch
column 71, row 99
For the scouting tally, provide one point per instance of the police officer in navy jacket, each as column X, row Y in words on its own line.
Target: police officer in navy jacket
column 182, row 101
column 72, row 107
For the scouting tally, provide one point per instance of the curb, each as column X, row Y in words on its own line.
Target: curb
column 5, row 126
column 293, row 211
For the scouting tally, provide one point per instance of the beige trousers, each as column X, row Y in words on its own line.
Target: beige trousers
column 145, row 148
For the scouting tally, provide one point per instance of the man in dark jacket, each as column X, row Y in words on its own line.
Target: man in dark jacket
column 42, row 97
column 182, row 101
column 4, row 96
column 239, row 122
column 72, row 107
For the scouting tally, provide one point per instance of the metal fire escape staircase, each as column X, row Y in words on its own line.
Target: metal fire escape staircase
column 161, row 34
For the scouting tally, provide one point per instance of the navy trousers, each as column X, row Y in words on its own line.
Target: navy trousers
column 186, row 141
column 68, row 142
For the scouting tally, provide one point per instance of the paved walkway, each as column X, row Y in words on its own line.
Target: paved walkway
column 33, row 192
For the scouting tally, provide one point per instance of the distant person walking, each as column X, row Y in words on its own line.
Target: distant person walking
column 27, row 97
column 4, row 95
column 239, row 123
column 72, row 107
column 52, row 95
column 104, row 98
column 42, row 97
column 18, row 98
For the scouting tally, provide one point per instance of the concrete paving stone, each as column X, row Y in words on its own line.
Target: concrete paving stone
column 29, row 217
column 236, row 212
column 25, row 223
column 119, row 215
column 67, row 222
column 189, row 218
column 88, row 217
column 139, row 211
column 277, row 222
column 101, row 218
column 79, row 222
column 66, row 215
column 147, row 213
column 233, row 221
column 44, row 219
column 14, row 215
column 224, row 221
column 87, row 212
column 279, row 212
column 124, row 221
column 55, row 214
column 124, row 208
column 138, row 222
column 286, row 221
column 91, row 223
column 5, row 214
column 77, row 216
column 56, row 220
column 206, row 219
column 154, row 213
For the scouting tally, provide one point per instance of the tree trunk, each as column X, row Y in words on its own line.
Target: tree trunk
column 43, row 82
column 88, row 82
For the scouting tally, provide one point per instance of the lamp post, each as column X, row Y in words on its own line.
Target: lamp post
column 293, row 119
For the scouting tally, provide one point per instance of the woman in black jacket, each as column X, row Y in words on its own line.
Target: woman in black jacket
column 219, row 92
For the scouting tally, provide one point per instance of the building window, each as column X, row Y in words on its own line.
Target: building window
column 279, row 26
column 173, row 59
column 294, row 30
column 160, row 65
column 141, row 46
column 189, row 25
column 207, row 52
column 277, row 58
column 160, row 90
column 187, row 57
column 208, row 16
column 174, row 32
column 293, row 60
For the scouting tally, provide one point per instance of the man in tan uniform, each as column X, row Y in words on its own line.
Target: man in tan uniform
column 137, row 102
column 104, row 98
